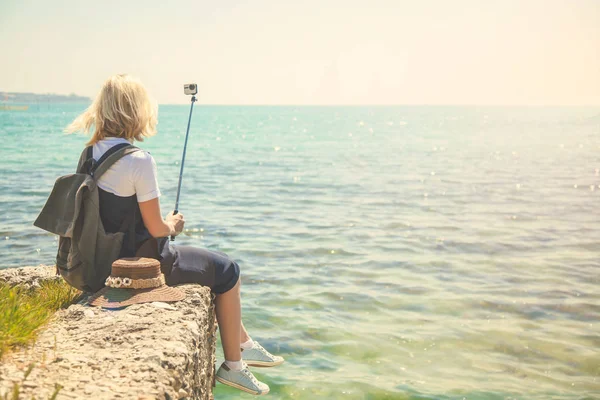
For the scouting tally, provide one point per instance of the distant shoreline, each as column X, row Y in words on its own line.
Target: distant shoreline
column 31, row 98
column 27, row 98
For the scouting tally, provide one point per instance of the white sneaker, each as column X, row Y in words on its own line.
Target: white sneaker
column 257, row 356
column 243, row 380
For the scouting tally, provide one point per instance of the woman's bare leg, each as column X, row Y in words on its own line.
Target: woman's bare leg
column 244, row 337
column 229, row 316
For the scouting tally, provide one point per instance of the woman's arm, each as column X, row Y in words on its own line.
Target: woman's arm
column 156, row 225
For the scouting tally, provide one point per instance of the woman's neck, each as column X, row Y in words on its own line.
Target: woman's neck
column 117, row 137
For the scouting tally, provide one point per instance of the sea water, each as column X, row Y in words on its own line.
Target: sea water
column 386, row 252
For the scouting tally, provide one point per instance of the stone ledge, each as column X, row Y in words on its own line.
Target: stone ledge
column 144, row 351
column 29, row 277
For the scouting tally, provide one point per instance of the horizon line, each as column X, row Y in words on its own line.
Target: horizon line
column 91, row 99
column 381, row 105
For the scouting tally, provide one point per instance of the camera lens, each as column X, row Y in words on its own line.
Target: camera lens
column 192, row 87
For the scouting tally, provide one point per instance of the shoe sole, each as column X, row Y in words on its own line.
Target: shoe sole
column 263, row 363
column 240, row 387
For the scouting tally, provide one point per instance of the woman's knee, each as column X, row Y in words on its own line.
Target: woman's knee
column 228, row 279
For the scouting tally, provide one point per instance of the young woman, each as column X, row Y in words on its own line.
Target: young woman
column 123, row 113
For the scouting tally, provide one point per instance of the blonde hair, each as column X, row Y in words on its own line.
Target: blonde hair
column 123, row 108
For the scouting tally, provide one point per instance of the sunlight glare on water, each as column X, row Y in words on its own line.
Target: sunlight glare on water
column 386, row 252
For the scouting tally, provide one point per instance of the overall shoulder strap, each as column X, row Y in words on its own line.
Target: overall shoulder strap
column 114, row 154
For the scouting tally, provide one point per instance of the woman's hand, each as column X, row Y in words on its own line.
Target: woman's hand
column 157, row 226
column 176, row 223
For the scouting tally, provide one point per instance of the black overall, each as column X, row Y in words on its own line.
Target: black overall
column 180, row 264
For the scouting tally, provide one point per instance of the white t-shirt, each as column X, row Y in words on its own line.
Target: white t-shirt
column 133, row 174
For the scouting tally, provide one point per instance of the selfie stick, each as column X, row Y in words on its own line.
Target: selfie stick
column 183, row 161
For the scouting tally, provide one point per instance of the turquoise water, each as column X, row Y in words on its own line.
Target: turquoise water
column 386, row 252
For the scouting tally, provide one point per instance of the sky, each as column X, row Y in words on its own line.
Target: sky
column 327, row 52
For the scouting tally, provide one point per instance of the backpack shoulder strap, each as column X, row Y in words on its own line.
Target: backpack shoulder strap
column 114, row 154
column 110, row 152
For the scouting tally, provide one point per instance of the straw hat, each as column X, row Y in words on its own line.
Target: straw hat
column 134, row 280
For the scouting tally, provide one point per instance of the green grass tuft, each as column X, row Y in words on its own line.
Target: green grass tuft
column 24, row 311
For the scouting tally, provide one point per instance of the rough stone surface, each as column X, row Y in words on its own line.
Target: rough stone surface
column 144, row 351
column 28, row 276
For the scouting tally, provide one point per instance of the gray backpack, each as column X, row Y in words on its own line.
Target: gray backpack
column 85, row 251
